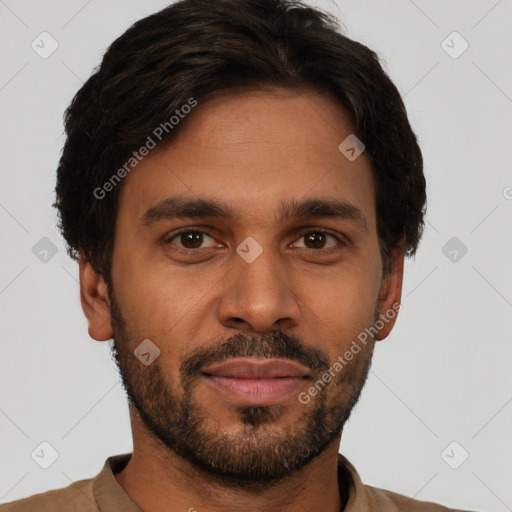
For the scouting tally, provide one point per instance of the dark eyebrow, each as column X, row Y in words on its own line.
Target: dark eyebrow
column 179, row 207
column 323, row 208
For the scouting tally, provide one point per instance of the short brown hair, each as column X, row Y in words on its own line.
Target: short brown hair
column 194, row 48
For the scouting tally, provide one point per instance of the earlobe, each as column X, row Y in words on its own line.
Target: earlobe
column 95, row 301
column 391, row 295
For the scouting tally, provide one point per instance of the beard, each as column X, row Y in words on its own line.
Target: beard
column 260, row 451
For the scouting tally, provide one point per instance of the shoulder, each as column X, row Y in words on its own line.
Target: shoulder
column 76, row 497
column 392, row 501
column 373, row 499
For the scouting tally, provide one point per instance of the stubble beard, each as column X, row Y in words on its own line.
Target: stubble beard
column 260, row 452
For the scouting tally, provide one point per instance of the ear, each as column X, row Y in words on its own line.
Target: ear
column 391, row 295
column 95, row 301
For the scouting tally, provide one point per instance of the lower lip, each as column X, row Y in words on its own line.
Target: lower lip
column 256, row 391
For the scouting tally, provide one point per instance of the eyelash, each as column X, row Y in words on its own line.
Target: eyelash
column 167, row 240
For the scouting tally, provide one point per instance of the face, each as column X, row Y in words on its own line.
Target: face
column 246, row 251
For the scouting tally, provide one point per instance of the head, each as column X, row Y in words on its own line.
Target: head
column 206, row 190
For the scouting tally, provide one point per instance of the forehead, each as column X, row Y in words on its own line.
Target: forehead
column 254, row 151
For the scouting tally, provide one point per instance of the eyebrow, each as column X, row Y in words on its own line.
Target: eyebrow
column 180, row 207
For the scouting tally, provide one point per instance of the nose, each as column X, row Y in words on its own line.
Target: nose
column 258, row 296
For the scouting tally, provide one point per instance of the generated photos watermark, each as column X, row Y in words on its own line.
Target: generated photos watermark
column 137, row 156
column 355, row 347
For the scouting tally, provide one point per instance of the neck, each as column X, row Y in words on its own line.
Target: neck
column 157, row 480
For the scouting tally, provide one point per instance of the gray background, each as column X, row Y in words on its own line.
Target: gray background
column 443, row 375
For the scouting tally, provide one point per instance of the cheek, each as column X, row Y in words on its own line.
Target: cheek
column 348, row 292
column 151, row 284
column 158, row 305
column 338, row 307
column 141, row 300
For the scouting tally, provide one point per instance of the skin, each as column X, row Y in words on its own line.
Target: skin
column 253, row 151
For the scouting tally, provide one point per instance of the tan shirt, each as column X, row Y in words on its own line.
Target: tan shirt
column 103, row 494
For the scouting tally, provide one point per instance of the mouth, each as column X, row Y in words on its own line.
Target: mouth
column 255, row 381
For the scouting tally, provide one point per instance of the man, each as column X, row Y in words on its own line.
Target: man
column 240, row 185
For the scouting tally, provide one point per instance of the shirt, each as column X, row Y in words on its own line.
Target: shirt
column 103, row 494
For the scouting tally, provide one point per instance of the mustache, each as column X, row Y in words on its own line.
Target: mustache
column 273, row 344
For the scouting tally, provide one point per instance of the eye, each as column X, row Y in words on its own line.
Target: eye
column 316, row 239
column 190, row 239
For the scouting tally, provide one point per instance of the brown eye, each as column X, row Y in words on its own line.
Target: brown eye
column 189, row 239
column 315, row 240
column 318, row 239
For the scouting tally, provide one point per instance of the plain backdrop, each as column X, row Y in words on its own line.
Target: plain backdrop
column 440, row 389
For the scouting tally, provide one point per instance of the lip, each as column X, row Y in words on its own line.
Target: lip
column 254, row 381
column 257, row 368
